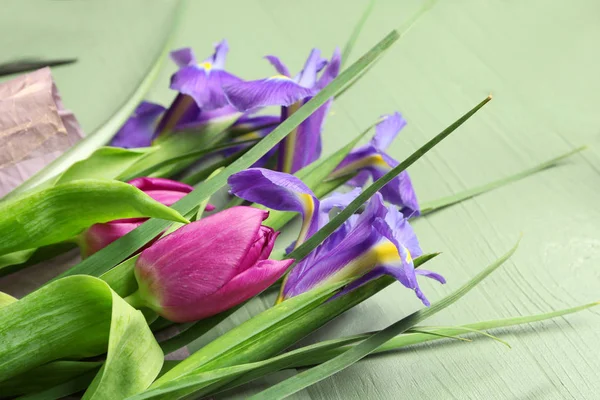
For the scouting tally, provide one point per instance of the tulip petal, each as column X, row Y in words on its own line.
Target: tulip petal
column 195, row 261
column 147, row 183
column 139, row 129
column 98, row 236
column 239, row 289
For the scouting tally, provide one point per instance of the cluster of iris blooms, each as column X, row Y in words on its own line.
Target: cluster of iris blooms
column 222, row 260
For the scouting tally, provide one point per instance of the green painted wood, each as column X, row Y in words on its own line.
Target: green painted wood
column 539, row 58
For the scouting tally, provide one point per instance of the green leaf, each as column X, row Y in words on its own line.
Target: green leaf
column 356, row 32
column 6, row 299
column 121, row 278
column 104, row 134
column 234, row 346
column 344, row 360
column 323, row 351
column 62, row 212
column 409, row 339
column 48, row 376
column 104, row 163
column 79, row 317
column 265, row 339
column 60, row 391
column 12, row 262
column 305, row 248
column 25, row 65
column 326, row 350
column 117, row 251
column 180, row 149
column 436, row 205
column 198, row 176
column 185, row 159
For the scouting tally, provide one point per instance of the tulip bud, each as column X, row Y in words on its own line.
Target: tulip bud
column 162, row 190
column 208, row 266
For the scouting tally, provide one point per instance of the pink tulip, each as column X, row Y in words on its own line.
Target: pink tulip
column 162, row 190
column 208, row 266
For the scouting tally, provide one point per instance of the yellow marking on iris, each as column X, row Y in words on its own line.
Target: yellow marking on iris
column 248, row 136
column 409, row 258
column 386, row 252
column 207, row 66
column 309, row 210
column 279, row 76
column 373, row 160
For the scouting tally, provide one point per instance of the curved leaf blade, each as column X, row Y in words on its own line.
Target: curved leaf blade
column 59, row 213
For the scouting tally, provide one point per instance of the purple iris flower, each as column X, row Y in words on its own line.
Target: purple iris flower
column 372, row 161
column 200, row 100
column 303, row 145
column 203, row 81
column 380, row 241
column 279, row 191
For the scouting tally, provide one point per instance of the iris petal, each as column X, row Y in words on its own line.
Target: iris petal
column 278, row 90
column 139, row 129
column 279, row 66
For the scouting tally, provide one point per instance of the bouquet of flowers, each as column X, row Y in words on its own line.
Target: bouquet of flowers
column 161, row 266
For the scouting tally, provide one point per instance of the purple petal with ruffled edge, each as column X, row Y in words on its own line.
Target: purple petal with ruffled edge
column 218, row 59
column 278, row 90
column 314, row 63
column 331, row 71
column 399, row 191
column 204, row 84
column 306, row 141
column 278, row 191
column 183, row 57
column 139, row 129
column 335, row 200
column 341, row 261
column 387, row 130
column 278, row 65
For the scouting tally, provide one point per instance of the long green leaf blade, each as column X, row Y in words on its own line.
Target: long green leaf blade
column 316, row 374
column 105, row 259
column 356, row 32
column 62, row 212
column 438, row 204
column 304, row 249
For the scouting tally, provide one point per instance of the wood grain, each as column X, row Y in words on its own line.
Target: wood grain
column 540, row 60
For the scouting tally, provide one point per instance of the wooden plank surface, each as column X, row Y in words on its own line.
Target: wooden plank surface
column 540, row 60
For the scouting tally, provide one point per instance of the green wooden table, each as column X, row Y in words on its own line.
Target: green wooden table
column 540, row 60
